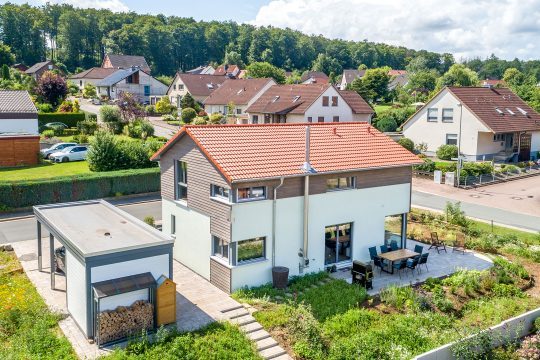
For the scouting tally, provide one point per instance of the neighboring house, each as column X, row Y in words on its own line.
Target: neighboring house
column 113, row 61
column 200, row 86
column 397, row 78
column 349, row 76
column 240, row 92
column 495, row 124
column 231, row 71
column 240, row 199
column 19, row 135
column 308, row 103
column 202, row 70
column 91, row 76
column 132, row 80
column 314, row 77
column 20, row 66
column 37, row 70
column 493, row 83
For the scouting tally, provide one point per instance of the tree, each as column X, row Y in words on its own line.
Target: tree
column 514, row 78
column 266, row 70
column 373, row 86
column 110, row 115
column 458, row 75
column 233, row 58
column 188, row 114
column 406, row 143
column 327, row 64
column 51, row 88
column 6, row 57
column 164, row 106
column 129, row 107
column 187, row 101
column 5, row 72
column 103, row 154
column 423, row 80
column 89, row 91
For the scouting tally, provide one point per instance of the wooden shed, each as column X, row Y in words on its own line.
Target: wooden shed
column 165, row 301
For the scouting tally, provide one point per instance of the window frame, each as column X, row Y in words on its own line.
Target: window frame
column 499, row 137
column 220, row 243
column 248, row 199
column 452, row 135
column 430, row 118
column 338, row 188
column 220, row 197
column 447, row 119
column 335, row 118
column 179, row 164
column 254, row 119
column 320, row 119
column 335, row 101
column 173, row 224
column 325, row 101
column 238, row 262
column 310, row 119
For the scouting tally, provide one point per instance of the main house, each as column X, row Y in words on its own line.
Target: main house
column 115, row 61
column 38, row 69
column 238, row 93
column 241, row 199
column 91, row 76
column 490, row 123
column 199, row 86
column 308, row 103
column 132, row 80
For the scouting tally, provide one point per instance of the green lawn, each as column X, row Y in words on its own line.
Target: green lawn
column 380, row 108
column 43, row 171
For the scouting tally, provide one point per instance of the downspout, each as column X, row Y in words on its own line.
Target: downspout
column 308, row 169
column 274, row 205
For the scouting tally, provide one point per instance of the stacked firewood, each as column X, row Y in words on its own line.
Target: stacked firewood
column 125, row 321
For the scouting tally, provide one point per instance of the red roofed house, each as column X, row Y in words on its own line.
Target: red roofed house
column 241, row 199
column 496, row 124
column 91, row 76
column 199, row 86
column 308, row 103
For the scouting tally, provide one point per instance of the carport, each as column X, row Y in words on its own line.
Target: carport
column 102, row 243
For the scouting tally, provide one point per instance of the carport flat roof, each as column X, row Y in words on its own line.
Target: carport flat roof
column 96, row 228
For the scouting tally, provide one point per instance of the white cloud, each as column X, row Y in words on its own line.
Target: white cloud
column 508, row 28
column 114, row 5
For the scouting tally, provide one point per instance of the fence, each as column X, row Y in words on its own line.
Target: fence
column 509, row 330
column 499, row 176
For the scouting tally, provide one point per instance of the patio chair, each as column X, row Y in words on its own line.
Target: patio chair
column 412, row 263
column 436, row 243
column 393, row 245
column 423, row 261
column 459, row 243
column 384, row 249
column 380, row 263
column 373, row 252
column 418, row 249
column 399, row 266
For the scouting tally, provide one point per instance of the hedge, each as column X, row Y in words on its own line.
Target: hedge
column 70, row 119
column 97, row 185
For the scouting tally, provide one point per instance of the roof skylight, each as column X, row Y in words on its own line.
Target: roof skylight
column 499, row 111
column 510, row 111
column 521, row 110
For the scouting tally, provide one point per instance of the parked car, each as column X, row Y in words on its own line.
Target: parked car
column 55, row 148
column 74, row 153
column 56, row 124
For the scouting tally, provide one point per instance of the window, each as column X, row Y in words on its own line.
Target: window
column 181, row 180
column 146, row 90
column 432, row 114
column 335, row 119
column 238, row 111
column 221, row 192
column 448, row 115
column 251, row 193
column 499, row 137
column 267, row 118
column 320, row 119
column 173, row 224
column 325, row 101
column 180, row 86
column 254, row 119
column 80, row 82
column 252, row 249
column 341, row 183
column 334, row 101
column 451, row 139
column 220, row 247
column 174, row 87
column 310, row 119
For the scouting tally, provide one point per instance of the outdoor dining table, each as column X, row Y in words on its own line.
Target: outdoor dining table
column 396, row 255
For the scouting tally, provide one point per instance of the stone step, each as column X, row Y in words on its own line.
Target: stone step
column 283, row 357
column 232, row 308
column 272, row 353
column 266, row 343
column 243, row 320
column 236, row 313
column 258, row 335
column 254, row 326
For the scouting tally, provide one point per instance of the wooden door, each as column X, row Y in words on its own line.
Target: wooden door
column 525, row 147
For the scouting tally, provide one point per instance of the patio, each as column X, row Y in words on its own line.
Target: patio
column 439, row 264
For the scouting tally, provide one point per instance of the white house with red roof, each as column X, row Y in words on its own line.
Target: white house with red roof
column 487, row 123
column 241, row 199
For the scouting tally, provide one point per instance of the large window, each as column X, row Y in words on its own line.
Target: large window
column 341, row 183
column 181, row 180
column 393, row 228
column 448, row 115
column 432, row 114
column 337, row 243
column 221, row 192
column 251, row 193
column 254, row 119
column 252, row 249
column 220, row 248
column 325, row 101
column 451, row 139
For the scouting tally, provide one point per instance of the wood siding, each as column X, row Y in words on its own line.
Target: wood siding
column 220, row 276
column 19, row 150
column 201, row 174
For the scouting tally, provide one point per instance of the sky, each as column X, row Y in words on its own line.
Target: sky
column 465, row 28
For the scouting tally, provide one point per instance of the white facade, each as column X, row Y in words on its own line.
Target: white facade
column 146, row 87
column 20, row 126
column 366, row 209
column 535, row 145
column 76, row 289
column 178, row 90
column 81, row 83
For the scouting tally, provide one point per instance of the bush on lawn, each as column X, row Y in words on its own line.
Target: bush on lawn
column 87, row 127
column 110, row 115
column 80, row 138
column 139, row 129
column 427, row 166
column 150, row 110
column 45, row 108
column 70, row 119
column 48, row 134
column 447, row 152
column 199, row 121
column 81, row 187
column 407, row 143
column 216, row 118
column 188, row 115
column 386, row 125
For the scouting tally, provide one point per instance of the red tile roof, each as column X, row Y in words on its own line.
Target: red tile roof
column 239, row 91
column 397, row 72
column 249, row 152
column 94, row 73
column 231, row 69
column 356, row 102
column 280, row 99
column 484, row 102
column 318, row 76
column 201, row 84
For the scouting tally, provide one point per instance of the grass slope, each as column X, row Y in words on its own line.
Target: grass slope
column 43, row 171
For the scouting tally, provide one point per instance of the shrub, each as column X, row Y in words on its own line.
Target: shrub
column 447, row 152
column 386, row 125
column 104, row 154
column 44, row 108
column 188, row 114
column 66, row 107
column 81, row 138
column 150, row 220
column 199, row 121
column 407, row 144
column 150, row 110
column 110, row 115
column 70, row 119
column 216, row 118
column 87, row 127
column 89, row 91
column 48, row 134
column 305, row 332
column 399, row 297
column 57, row 129
column 139, row 129
column 445, row 166
column 164, row 106
column 456, row 216
column 427, row 166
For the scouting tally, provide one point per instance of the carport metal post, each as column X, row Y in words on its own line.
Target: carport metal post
column 51, row 254
column 39, row 250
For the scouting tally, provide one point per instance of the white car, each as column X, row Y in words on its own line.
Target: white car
column 73, row 153
column 55, row 148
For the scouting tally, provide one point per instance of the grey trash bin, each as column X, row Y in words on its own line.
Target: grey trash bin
column 280, row 277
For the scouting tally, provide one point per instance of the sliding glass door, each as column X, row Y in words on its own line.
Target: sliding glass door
column 337, row 242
